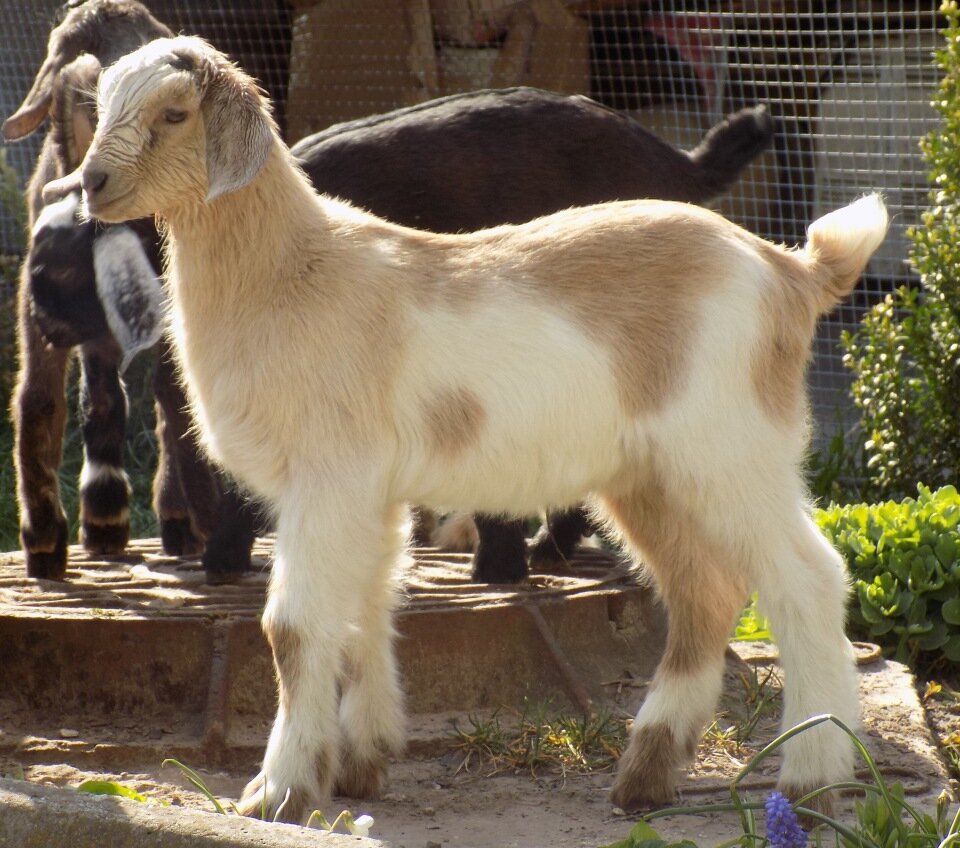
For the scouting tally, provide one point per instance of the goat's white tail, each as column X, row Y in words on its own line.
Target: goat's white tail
column 840, row 245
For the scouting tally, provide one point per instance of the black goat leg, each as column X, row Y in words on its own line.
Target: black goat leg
column 186, row 493
column 39, row 419
column 558, row 538
column 501, row 555
column 227, row 555
column 423, row 525
column 104, row 487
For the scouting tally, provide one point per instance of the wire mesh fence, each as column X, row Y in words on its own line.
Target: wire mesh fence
column 848, row 82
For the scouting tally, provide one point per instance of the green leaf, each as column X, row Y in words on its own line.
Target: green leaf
column 110, row 787
column 951, row 611
column 951, row 649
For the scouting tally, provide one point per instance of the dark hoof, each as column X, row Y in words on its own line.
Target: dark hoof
column 226, row 563
column 360, row 778
column 501, row 555
column 497, row 567
column 46, row 564
column 106, row 539
column 546, row 556
column 178, row 538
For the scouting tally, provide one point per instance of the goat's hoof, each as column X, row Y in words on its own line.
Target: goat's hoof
column 360, row 778
column 500, row 560
column 104, row 539
column 46, row 566
column 178, row 538
column 292, row 807
column 546, row 556
column 653, row 792
column 43, row 564
column 648, row 769
column 823, row 803
column 226, row 564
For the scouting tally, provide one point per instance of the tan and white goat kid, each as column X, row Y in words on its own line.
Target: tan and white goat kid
column 649, row 353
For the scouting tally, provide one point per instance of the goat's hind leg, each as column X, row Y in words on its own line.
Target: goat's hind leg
column 703, row 593
column 186, row 494
column 804, row 592
column 328, row 554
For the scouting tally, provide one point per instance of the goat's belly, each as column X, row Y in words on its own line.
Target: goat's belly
column 552, row 456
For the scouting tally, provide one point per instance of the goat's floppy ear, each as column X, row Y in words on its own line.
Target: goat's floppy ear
column 35, row 105
column 130, row 292
column 239, row 130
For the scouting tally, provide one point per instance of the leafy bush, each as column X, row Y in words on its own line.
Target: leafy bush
column 905, row 561
column 906, row 354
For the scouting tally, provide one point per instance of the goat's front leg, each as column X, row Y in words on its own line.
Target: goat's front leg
column 104, row 487
column 329, row 556
column 39, row 418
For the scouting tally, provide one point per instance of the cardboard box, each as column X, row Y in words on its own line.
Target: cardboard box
column 352, row 58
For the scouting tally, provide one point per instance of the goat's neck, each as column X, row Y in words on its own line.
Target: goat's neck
column 241, row 247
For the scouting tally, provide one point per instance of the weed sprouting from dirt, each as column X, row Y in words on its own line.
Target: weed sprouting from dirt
column 537, row 738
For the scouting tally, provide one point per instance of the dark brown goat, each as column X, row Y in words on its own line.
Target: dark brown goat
column 57, row 311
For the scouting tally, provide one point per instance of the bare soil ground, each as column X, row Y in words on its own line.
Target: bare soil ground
column 438, row 796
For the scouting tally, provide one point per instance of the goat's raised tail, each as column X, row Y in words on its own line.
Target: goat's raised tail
column 840, row 244
column 730, row 146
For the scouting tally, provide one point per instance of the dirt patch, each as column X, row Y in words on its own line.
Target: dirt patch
column 434, row 798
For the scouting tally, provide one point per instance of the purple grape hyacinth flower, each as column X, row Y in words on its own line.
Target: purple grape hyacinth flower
column 783, row 829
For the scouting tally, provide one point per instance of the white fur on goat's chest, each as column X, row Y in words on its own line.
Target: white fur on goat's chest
column 230, row 378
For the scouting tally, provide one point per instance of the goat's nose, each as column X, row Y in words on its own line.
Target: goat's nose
column 93, row 180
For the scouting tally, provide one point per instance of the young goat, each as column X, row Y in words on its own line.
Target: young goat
column 341, row 366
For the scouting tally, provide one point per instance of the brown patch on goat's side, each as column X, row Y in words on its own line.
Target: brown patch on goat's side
column 700, row 581
column 787, row 322
column 635, row 285
column 453, row 420
column 287, row 647
column 647, row 771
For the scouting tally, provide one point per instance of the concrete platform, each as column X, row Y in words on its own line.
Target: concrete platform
column 136, row 659
column 138, row 654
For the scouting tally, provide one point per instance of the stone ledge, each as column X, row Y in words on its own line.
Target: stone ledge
column 33, row 816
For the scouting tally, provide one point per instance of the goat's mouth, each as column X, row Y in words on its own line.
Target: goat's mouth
column 109, row 208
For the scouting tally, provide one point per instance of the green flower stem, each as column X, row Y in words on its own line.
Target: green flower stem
column 197, row 781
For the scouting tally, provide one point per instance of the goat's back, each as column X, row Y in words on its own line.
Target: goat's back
column 476, row 160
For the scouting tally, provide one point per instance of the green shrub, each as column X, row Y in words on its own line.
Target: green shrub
column 906, row 354
column 904, row 558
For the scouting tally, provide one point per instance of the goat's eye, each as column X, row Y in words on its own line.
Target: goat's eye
column 174, row 116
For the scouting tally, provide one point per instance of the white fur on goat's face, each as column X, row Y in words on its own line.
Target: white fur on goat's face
column 178, row 126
